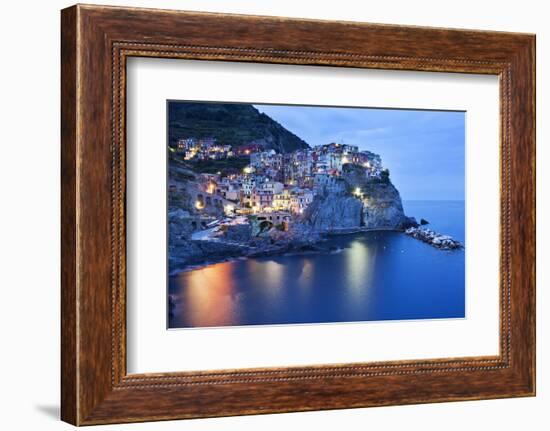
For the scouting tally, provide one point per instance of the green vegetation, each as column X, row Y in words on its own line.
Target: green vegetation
column 178, row 200
column 385, row 176
column 179, row 169
column 186, row 170
column 230, row 124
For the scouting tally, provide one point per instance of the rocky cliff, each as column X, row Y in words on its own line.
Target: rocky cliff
column 333, row 212
column 361, row 203
column 382, row 208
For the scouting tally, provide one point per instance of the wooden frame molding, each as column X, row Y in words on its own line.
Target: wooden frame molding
column 95, row 43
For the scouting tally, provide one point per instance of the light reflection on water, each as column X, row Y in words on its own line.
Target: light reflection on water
column 305, row 278
column 217, row 303
column 359, row 273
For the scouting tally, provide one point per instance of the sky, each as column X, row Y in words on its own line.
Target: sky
column 424, row 150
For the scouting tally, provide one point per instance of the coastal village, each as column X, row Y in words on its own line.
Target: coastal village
column 272, row 186
column 243, row 194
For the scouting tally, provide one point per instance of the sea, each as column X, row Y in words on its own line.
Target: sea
column 369, row 276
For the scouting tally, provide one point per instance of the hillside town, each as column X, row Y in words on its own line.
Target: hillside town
column 271, row 186
column 240, row 185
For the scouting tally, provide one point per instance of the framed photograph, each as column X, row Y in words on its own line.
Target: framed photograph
column 266, row 229
column 264, row 215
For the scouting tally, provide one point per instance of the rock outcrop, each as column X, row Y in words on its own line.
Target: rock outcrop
column 443, row 242
column 183, row 252
column 382, row 208
column 235, row 241
column 364, row 205
column 333, row 212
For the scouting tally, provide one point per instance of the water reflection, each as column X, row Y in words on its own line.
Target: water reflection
column 306, row 274
column 357, row 262
column 375, row 276
column 208, row 295
column 267, row 274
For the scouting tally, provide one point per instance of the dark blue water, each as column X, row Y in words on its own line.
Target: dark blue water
column 375, row 276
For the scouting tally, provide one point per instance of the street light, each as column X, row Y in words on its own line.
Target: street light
column 229, row 209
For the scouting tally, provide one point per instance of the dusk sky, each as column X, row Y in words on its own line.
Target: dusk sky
column 424, row 150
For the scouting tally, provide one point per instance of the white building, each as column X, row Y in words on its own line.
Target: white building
column 300, row 200
column 273, row 187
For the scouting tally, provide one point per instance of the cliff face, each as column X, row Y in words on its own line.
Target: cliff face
column 229, row 123
column 382, row 208
column 333, row 211
column 377, row 206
